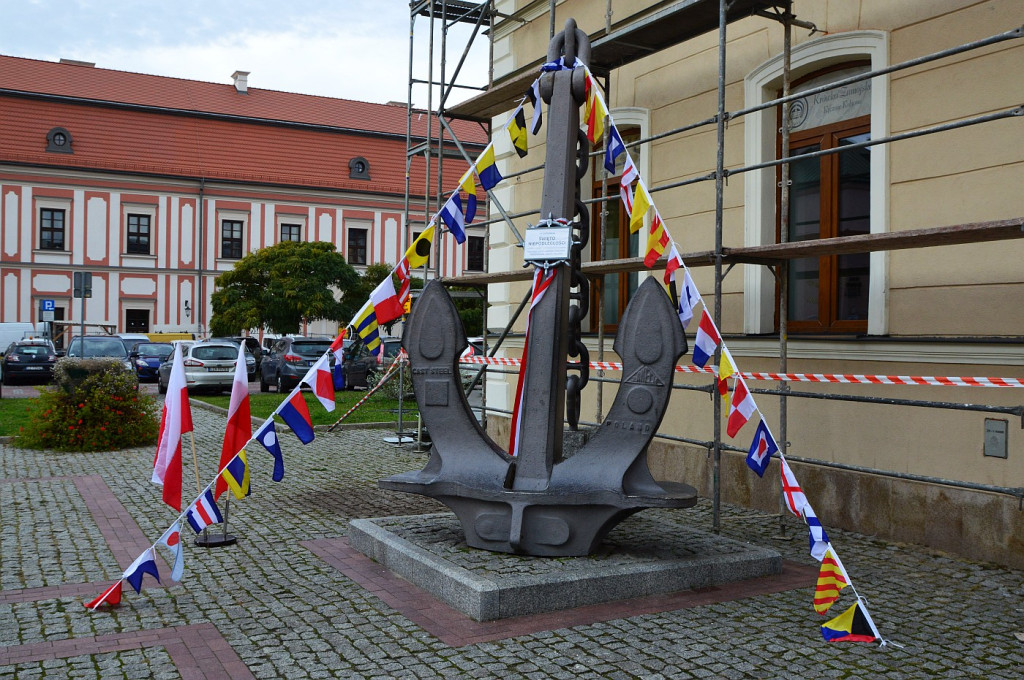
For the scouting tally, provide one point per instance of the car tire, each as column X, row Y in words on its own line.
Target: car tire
column 160, row 387
column 264, row 386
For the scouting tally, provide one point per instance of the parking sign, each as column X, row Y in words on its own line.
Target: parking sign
column 47, row 305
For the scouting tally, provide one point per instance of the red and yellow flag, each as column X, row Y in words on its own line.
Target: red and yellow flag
column 831, row 579
column 656, row 242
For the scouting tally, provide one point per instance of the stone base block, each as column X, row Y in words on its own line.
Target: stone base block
column 647, row 554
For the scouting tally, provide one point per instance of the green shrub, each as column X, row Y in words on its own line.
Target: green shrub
column 94, row 406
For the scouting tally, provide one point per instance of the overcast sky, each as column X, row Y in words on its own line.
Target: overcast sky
column 355, row 49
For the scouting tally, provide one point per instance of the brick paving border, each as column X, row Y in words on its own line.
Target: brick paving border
column 198, row 650
column 120, row 532
column 456, row 629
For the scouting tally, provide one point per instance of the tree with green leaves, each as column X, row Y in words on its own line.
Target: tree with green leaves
column 283, row 285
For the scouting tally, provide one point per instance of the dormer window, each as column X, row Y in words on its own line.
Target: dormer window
column 58, row 140
column 358, row 168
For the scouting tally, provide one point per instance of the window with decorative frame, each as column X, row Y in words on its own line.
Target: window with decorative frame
column 356, row 253
column 232, row 239
column 137, row 235
column 830, row 196
column 52, row 229
column 291, row 231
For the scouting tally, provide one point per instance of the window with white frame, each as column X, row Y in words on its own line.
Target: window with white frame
column 52, row 228
column 232, row 239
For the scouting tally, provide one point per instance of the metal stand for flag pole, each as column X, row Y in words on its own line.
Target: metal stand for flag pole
column 207, row 540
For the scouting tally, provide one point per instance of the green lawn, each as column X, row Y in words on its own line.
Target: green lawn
column 376, row 409
column 12, row 414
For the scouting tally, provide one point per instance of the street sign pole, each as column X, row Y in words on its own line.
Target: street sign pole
column 82, row 289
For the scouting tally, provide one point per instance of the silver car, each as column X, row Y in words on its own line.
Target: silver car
column 208, row 365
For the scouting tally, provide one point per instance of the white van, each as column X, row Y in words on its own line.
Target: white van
column 12, row 331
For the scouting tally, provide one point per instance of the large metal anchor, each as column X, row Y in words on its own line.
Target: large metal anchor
column 540, row 503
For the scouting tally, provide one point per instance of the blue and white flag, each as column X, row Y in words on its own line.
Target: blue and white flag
column 454, row 218
column 615, row 149
column 817, row 535
column 143, row 564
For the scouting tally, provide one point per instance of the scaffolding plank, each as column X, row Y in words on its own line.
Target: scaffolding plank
column 771, row 254
column 457, row 10
column 639, row 37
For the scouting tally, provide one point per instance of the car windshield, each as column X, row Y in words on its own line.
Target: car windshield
column 154, row 349
column 214, row 352
column 311, row 347
column 100, row 347
column 391, row 347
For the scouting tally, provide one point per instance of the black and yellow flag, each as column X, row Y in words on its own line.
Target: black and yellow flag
column 517, row 132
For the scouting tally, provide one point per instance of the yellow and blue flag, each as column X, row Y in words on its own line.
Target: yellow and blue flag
column 236, row 474
column 487, row 168
column 366, row 327
column 517, row 132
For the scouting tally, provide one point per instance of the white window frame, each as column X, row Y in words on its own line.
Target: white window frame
column 41, row 203
column 289, row 218
column 760, row 137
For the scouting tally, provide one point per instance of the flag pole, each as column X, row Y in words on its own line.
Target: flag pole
column 195, row 461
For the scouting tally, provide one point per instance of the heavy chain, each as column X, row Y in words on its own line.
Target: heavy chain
column 579, row 294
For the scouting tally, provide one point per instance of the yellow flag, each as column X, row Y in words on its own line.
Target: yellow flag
column 641, row 202
column 724, row 372
column 419, row 252
column 236, row 474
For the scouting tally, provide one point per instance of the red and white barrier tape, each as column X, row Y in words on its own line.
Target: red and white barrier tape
column 942, row 381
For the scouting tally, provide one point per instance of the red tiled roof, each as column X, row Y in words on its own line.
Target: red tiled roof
column 164, row 142
column 73, row 80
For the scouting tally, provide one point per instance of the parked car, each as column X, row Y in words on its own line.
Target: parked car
column 28, row 360
column 289, row 360
column 148, row 356
column 208, row 365
column 99, row 346
column 132, row 340
column 361, row 365
column 252, row 346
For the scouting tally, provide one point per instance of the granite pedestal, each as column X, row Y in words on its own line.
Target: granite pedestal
column 645, row 555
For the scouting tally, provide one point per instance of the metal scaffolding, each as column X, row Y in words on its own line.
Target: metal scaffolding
column 661, row 29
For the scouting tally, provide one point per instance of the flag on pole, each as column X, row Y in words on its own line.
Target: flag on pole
column 706, row 342
column 850, row 626
column 239, row 428
column 366, row 327
column 832, row 578
column 742, row 407
column 641, row 203
column 794, row 495
column 111, row 596
column 386, row 305
column 295, row 413
column 318, row 377
column 175, row 421
column 143, row 564
column 487, row 169
column 267, row 436
column 203, row 512
column 533, row 94
column 172, row 541
column 615, row 149
column 816, row 533
column 761, row 449
column 517, row 132
column 656, row 242
column 452, row 216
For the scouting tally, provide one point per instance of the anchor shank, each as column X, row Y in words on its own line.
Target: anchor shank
column 543, row 405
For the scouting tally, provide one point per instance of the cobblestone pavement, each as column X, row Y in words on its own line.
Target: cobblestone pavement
column 271, row 604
